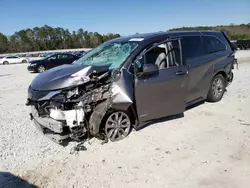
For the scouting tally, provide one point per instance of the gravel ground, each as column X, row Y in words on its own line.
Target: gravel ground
column 208, row 147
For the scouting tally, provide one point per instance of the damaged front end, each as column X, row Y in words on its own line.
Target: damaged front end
column 70, row 101
column 65, row 114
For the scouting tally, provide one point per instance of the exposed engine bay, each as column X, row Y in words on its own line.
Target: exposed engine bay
column 67, row 113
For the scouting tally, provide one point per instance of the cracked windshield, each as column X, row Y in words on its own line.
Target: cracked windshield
column 113, row 53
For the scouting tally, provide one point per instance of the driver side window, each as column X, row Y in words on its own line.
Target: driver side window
column 164, row 55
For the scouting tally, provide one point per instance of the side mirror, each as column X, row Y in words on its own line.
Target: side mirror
column 149, row 69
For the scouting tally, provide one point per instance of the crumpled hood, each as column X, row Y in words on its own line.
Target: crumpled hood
column 60, row 77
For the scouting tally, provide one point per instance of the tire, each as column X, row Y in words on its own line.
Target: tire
column 217, row 89
column 117, row 125
column 5, row 62
column 24, row 61
column 41, row 68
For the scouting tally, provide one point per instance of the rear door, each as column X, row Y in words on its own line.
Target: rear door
column 62, row 59
column 164, row 93
column 200, row 66
column 17, row 59
column 51, row 61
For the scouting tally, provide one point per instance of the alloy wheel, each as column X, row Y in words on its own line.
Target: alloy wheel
column 41, row 69
column 217, row 87
column 118, row 126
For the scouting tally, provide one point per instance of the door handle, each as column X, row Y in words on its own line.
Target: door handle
column 181, row 73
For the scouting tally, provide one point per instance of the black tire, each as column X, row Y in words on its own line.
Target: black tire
column 217, row 89
column 24, row 61
column 41, row 68
column 122, row 131
column 5, row 62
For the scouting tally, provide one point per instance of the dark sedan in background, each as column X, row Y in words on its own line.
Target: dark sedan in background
column 51, row 61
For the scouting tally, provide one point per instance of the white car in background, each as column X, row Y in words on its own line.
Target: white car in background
column 12, row 60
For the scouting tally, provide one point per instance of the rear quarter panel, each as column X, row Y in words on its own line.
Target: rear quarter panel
column 225, row 60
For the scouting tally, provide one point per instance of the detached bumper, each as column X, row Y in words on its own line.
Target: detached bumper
column 49, row 127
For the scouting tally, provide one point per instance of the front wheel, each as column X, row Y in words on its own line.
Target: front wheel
column 217, row 89
column 117, row 125
column 5, row 62
column 24, row 61
column 41, row 68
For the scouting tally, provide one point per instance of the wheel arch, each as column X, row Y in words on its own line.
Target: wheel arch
column 223, row 73
column 41, row 64
column 102, row 109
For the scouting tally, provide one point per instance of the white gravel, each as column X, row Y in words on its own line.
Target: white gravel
column 208, row 147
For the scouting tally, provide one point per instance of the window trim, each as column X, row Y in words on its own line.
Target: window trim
column 226, row 47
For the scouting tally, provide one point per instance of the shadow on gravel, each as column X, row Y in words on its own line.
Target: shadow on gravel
column 195, row 105
column 169, row 118
column 8, row 180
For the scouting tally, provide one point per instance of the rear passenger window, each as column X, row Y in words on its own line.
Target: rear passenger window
column 192, row 47
column 213, row 44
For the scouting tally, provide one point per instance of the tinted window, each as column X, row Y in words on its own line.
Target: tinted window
column 213, row 44
column 11, row 57
column 223, row 38
column 192, row 47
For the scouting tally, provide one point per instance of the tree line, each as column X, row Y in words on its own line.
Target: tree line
column 234, row 32
column 49, row 38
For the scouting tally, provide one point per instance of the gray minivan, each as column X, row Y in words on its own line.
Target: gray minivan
column 130, row 80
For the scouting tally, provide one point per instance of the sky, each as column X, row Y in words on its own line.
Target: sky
column 123, row 17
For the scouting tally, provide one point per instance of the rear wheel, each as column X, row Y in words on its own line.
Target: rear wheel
column 5, row 62
column 217, row 89
column 117, row 125
column 24, row 61
column 41, row 68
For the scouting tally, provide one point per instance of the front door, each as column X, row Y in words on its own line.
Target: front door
column 52, row 61
column 163, row 93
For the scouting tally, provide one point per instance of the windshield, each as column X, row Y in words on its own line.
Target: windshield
column 113, row 54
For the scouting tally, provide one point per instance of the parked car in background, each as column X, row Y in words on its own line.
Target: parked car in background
column 79, row 53
column 13, row 59
column 51, row 61
column 130, row 81
column 243, row 44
